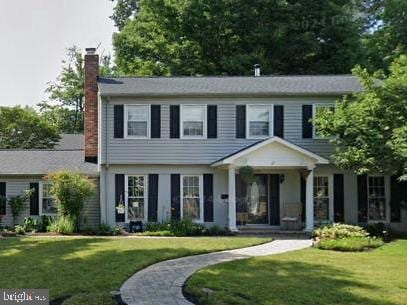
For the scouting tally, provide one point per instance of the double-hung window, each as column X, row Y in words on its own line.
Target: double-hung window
column 376, row 198
column 137, row 118
column 192, row 197
column 317, row 109
column 47, row 201
column 136, row 197
column 259, row 121
column 193, row 121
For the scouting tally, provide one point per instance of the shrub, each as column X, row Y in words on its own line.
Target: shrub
column 18, row 203
column 379, row 230
column 19, row 229
column 338, row 230
column 184, row 227
column 350, row 244
column 96, row 298
column 156, row 226
column 217, row 230
column 71, row 191
column 30, row 224
column 104, row 229
column 118, row 230
column 158, row 233
column 62, row 225
column 44, row 225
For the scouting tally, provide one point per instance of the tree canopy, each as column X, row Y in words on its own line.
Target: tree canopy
column 215, row 37
column 369, row 128
column 24, row 128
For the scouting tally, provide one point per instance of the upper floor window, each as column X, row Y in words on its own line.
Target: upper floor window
column 47, row 201
column 317, row 109
column 376, row 198
column 259, row 121
column 193, row 121
column 137, row 121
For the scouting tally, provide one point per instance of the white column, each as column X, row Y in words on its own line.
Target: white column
column 309, row 202
column 232, row 198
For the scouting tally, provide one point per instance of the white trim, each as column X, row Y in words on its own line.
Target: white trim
column 271, row 121
column 314, row 109
column 231, row 159
column 205, row 122
column 40, row 198
column 126, row 196
column 126, row 136
column 201, row 203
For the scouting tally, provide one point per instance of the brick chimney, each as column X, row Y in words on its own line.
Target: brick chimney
column 91, row 105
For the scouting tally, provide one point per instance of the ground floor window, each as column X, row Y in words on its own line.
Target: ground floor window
column 48, row 202
column 376, row 198
column 192, row 197
column 321, row 200
column 136, row 198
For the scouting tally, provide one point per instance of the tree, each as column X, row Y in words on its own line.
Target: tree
column 66, row 94
column 215, row 37
column 369, row 127
column 123, row 11
column 387, row 38
column 71, row 190
column 24, row 128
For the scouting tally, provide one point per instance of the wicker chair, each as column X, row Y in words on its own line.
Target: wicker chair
column 291, row 220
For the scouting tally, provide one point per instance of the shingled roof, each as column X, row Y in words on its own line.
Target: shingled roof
column 230, row 86
column 68, row 154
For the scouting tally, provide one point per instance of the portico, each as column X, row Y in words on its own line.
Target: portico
column 268, row 159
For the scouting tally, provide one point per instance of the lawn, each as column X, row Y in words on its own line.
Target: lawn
column 308, row 277
column 70, row 265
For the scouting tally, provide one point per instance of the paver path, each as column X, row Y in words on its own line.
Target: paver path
column 161, row 283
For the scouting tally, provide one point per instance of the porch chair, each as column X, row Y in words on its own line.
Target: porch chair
column 291, row 220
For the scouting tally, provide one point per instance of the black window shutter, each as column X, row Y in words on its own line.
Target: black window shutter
column 155, row 121
column 212, row 124
column 152, row 197
column 279, row 121
column 240, row 121
column 306, row 123
column 174, row 121
column 362, row 198
column 303, row 190
column 208, row 197
column 118, row 121
column 175, row 196
column 34, row 199
column 3, row 196
column 275, row 199
column 338, row 198
column 119, row 185
column 398, row 191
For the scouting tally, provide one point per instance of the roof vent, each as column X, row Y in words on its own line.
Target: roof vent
column 256, row 70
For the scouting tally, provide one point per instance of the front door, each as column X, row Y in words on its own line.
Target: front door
column 252, row 200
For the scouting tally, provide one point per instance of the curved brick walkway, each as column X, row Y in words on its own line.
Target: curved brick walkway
column 161, row 283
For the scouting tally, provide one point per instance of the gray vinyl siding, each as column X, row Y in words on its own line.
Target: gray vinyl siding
column 202, row 151
column 16, row 186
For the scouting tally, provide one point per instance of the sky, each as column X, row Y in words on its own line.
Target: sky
column 34, row 36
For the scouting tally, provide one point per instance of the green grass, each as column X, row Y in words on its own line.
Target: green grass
column 72, row 265
column 308, row 277
column 350, row 244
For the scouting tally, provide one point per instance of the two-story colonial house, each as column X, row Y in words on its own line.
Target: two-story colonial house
column 177, row 147
column 172, row 147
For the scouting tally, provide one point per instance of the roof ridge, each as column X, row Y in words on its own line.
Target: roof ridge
column 228, row 76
